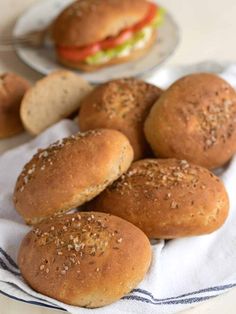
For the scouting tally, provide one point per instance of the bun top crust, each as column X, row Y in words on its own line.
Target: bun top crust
column 85, row 22
column 84, row 259
column 123, row 105
column 70, row 172
column 194, row 119
column 166, row 198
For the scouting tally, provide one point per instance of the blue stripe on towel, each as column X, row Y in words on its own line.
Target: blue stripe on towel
column 146, row 298
column 5, row 267
column 8, row 258
column 171, row 302
column 210, row 289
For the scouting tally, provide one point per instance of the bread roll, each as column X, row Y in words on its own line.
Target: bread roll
column 167, row 199
column 51, row 99
column 12, row 90
column 70, row 172
column 123, row 105
column 195, row 120
column 84, row 259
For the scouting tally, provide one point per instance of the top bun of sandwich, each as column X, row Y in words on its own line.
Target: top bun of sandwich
column 86, row 22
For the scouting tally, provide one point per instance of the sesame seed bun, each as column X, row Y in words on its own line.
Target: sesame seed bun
column 12, row 90
column 70, row 172
column 132, row 56
column 87, row 22
column 122, row 105
column 84, row 259
column 195, row 120
column 167, row 198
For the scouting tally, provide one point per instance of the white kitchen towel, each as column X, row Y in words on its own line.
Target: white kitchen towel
column 183, row 272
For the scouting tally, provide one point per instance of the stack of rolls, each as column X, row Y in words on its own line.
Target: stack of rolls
column 141, row 169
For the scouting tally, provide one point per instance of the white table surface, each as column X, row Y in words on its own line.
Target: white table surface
column 208, row 29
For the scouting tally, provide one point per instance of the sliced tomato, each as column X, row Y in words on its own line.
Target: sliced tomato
column 77, row 54
column 81, row 53
column 147, row 20
column 116, row 41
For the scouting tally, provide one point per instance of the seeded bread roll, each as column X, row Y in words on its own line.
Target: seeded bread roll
column 122, row 105
column 12, row 90
column 195, row 120
column 70, row 172
column 167, row 199
column 86, row 259
column 55, row 97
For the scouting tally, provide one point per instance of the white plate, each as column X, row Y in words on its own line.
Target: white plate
column 43, row 60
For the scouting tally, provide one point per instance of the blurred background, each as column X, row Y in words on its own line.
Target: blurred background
column 207, row 31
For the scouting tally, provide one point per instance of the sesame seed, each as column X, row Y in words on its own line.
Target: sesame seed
column 43, row 154
column 174, row 204
column 76, row 240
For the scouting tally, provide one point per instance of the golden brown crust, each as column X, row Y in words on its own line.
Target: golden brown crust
column 123, row 105
column 84, row 259
column 195, row 120
column 134, row 55
column 70, row 172
column 87, row 22
column 12, row 90
column 166, row 198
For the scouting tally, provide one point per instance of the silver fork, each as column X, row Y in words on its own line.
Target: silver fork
column 35, row 39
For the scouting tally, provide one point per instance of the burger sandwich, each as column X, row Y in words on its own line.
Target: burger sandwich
column 90, row 34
